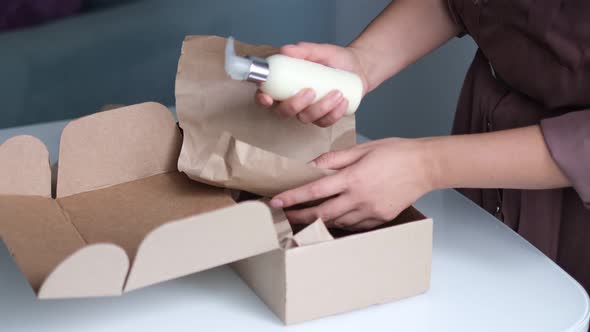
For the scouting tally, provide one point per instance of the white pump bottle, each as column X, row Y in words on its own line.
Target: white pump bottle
column 282, row 77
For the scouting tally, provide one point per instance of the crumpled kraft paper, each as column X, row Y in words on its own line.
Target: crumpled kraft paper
column 313, row 233
column 230, row 141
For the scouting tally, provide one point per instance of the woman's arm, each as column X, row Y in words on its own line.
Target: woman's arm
column 516, row 158
column 405, row 31
column 377, row 180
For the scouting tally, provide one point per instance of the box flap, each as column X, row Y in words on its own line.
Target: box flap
column 117, row 146
column 201, row 242
column 24, row 167
column 40, row 237
column 94, row 270
column 37, row 234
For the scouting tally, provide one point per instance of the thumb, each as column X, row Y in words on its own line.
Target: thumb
column 320, row 53
column 338, row 159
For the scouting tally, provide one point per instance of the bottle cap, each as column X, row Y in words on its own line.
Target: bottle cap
column 252, row 69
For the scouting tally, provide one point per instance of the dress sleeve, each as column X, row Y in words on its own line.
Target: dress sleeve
column 568, row 139
column 454, row 13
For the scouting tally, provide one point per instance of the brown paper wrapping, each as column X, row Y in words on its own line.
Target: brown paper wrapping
column 230, row 141
column 315, row 232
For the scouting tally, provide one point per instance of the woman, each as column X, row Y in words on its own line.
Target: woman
column 522, row 123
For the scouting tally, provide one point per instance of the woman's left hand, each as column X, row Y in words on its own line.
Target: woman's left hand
column 375, row 181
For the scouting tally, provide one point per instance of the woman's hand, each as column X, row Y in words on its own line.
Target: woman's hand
column 374, row 183
column 332, row 107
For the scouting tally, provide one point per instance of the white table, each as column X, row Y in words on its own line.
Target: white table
column 484, row 278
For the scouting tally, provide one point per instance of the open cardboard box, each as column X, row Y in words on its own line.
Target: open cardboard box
column 125, row 218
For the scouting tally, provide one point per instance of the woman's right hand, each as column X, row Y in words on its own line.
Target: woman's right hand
column 326, row 111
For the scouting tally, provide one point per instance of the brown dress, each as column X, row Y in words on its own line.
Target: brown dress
column 533, row 67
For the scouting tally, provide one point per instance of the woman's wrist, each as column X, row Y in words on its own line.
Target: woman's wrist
column 367, row 70
column 433, row 162
column 374, row 67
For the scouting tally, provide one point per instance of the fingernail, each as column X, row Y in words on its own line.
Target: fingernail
column 276, row 203
column 336, row 97
column 333, row 99
column 267, row 100
column 308, row 95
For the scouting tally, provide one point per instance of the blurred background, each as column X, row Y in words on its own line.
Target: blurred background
column 61, row 59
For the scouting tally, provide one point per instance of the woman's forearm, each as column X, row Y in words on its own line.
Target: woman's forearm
column 516, row 158
column 404, row 32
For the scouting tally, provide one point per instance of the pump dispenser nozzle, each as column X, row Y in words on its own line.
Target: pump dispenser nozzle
column 244, row 68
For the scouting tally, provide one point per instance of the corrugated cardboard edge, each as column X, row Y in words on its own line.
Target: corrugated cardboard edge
column 347, row 286
column 115, row 156
column 94, row 270
column 265, row 273
column 201, row 242
column 24, row 164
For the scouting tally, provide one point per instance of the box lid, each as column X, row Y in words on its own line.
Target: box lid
column 108, row 152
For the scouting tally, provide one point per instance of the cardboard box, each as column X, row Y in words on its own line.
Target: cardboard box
column 125, row 218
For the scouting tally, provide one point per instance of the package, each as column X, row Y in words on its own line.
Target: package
column 125, row 218
column 230, row 141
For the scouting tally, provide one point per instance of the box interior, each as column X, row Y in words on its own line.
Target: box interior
column 287, row 231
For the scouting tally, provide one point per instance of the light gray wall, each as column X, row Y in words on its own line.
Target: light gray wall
column 421, row 100
column 128, row 53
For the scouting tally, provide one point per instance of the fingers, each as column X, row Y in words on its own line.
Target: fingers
column 327, row 211
column 338, row 159
column 325, row 187
column 365, row 225
column 324, row 106
column 324, row 112
column 321, row 53
column 348, row 219
column 263, row 99
column 292, row 106
column 333, row 116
